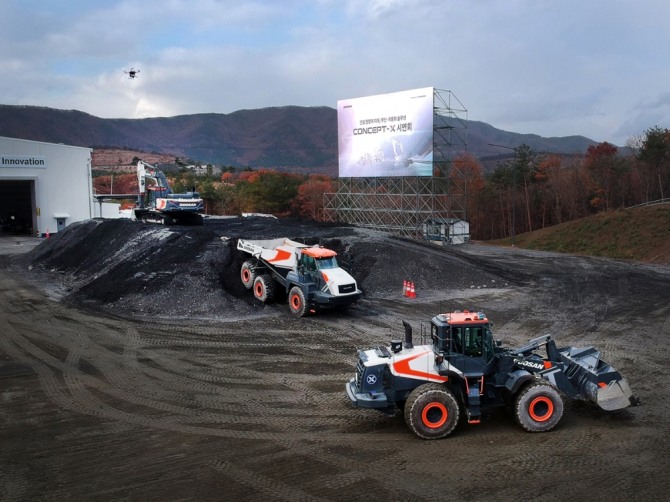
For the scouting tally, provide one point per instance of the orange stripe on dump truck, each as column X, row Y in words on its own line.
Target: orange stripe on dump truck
column 280, row 256
column 319, row 252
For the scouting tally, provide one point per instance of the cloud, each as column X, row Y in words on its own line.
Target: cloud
column 550, row 68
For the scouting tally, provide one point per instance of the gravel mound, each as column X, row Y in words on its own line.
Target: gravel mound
column 145, row 270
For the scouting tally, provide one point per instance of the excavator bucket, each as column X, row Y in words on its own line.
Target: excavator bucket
column 595, row 380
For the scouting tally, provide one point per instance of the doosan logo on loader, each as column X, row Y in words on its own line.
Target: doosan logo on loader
column 529, row 364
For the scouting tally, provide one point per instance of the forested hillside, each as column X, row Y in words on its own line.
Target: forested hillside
column 533, row 191
column 639, row 233
column 290, row 138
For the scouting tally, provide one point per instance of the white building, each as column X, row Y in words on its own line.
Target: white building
column 43, row 186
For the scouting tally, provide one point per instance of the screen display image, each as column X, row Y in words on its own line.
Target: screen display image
column 386, row 135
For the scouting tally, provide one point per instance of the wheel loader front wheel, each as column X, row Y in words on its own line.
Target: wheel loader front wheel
column 538, row 407
column 296, row 301
column 431, row 411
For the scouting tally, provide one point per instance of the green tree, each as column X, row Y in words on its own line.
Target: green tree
column 512, row 180
column 268, row 191
column 654, row 153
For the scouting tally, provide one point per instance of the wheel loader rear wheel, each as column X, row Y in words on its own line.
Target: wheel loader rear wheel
column 431, row 411
column 296, row 301
column 264, row 288
column 247, row 274
column 538, row 407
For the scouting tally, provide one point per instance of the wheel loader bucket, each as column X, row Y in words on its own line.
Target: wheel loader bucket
column 615, row 396
column 595, row 380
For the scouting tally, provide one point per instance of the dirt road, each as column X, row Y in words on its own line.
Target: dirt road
column 96, row 406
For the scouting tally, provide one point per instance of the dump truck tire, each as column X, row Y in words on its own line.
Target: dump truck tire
column 296, row 301
column 538, row 407
column 431, row 411
column 247, row 274
column 264, row 288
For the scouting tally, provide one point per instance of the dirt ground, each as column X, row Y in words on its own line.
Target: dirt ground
column 134, row 366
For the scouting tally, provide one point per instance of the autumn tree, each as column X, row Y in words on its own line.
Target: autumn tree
column 115, row 184
column 607, row 172
column 547, row 178
column 467, row 177
column 309, row 201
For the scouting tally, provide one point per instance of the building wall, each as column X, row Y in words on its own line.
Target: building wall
column 110, row 210
column 62, row 180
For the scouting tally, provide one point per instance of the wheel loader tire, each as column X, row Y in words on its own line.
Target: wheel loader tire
column 264, row 288
column 538, row 407
column 431, row 411
column 296, row 301
column 247, row 274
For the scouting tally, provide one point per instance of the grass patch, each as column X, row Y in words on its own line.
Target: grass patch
column 638, row 234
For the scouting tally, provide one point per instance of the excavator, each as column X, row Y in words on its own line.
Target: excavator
column 157, row 203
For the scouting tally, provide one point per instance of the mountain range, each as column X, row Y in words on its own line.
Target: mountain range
column 290, row 138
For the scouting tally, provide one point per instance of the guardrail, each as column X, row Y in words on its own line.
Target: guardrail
column 651, row 203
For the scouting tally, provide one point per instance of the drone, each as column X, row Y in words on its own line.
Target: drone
column 132, row 73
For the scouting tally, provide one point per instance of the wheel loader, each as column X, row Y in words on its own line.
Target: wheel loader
column 465, row 371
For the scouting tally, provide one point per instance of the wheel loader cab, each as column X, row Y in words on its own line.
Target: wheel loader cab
column 472, row 341
column 463, row 334
column 456, row 340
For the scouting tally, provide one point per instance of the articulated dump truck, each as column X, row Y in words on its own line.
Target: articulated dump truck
column 465, row 371
column 310, row 275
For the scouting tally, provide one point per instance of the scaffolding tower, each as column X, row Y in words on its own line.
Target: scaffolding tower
column 403, row 205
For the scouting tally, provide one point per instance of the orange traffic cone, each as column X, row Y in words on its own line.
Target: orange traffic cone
column 412, row 292
column 47, row 233
column 404, row 288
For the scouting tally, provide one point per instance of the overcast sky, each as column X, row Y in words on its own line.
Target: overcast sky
column 597, row 68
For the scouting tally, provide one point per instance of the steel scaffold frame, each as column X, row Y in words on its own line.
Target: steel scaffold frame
column 401, row 205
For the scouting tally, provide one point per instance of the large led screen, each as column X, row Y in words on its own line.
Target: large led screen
column 386, row 135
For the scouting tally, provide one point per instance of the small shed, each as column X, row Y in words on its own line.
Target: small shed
column 447, row 231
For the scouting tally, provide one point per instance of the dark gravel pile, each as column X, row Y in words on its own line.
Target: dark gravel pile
column 151, row 270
